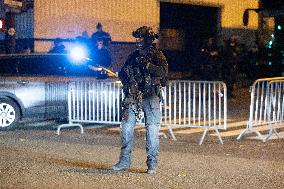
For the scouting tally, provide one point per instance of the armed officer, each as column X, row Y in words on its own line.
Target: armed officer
column 143, row 76
column 232, row 59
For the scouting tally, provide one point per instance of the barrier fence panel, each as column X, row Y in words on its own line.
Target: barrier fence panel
column 259, row 106
column 200, row 104
column 56, row 99
column 93, row 102
column 96, row 102
column 276, row 106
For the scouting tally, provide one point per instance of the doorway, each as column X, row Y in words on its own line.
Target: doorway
column 183, row 29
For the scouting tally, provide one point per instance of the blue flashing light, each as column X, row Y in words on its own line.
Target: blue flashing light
column 269, row 63
column 78, row 54
column 270, row 43
column 1, row 24
column 279, row 27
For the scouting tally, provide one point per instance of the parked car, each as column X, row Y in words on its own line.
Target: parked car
column 35, row 86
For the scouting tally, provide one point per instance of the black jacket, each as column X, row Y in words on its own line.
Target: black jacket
column 147, row 71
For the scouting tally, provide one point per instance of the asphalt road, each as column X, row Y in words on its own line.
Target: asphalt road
column 35, row 157
column 38, row 158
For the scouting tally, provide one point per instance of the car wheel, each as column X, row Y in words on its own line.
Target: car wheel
column 9, row 114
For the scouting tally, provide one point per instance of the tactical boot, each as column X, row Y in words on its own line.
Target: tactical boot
column 151, row 170
column 121, row 165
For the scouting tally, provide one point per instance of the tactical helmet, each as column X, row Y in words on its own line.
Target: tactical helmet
column 146, row 33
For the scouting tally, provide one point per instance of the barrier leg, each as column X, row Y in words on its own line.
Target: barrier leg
column 219, row 136
column 277, row 134
column 206, row 131
column 203, row 136
column 259, row 135
column 248, row 130
column 172, row 133
column 242, row 133
column 162, row 134
column 69, row 125
column 271, row 132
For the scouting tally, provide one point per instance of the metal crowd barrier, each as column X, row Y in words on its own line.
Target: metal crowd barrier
column 56, row 99
column 276, row 106
column 265, row 95
column 93, row 102
column 199, row 104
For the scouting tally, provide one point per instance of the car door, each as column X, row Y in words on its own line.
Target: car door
column 56, row 85
column 31, row 91
column 23, row 87
column 30, row 86
column 42, row 85
column 8, row 67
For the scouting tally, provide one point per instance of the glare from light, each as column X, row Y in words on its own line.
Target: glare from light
column 279, row 27
column 78, row 54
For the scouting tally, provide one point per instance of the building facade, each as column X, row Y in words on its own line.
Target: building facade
column 67, row 19
column 57, row 18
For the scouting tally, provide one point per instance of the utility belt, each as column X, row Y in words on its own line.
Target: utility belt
column 147, row 91
column 154, row 90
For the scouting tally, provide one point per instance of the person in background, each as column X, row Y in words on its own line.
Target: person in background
column 26, row 50
column 102, row 54
column 210, row 57
column 100, row 34
column 11, row 41
column 85, row 34
column 58, row 47
column 231, row 58
column 100, row 58
column 253, row 63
